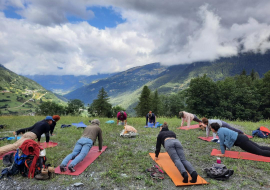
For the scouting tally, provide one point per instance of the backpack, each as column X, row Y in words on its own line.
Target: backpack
column 218, row 172
column 39, row 165
column 261, row 132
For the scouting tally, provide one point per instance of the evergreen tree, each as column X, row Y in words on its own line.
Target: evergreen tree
column 144, row 104
column 101, row 105
column 254, row 75
column 74, row 107
column 244, row 73
column 156, row 103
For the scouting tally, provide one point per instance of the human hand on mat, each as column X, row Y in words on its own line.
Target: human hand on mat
column 220, row 155
column 156, row 158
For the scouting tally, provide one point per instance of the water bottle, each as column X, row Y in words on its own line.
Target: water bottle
column 218, row 160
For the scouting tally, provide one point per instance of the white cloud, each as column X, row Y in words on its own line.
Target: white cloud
column 154, row 31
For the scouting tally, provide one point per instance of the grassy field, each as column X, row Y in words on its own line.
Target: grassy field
column 123, row 164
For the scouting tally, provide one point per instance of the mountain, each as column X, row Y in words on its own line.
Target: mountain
column 124, row 88
column 20, row 95
column 65, row 83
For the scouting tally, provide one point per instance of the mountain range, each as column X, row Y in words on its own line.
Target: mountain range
column 125, row 87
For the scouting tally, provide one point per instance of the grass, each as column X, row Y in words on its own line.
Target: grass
column 123, row 164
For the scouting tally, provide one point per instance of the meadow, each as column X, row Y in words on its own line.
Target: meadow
column 123, row 164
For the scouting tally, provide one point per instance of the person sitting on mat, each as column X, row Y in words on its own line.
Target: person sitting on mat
column 83, row 146
column 122, row 116
column 188, row 117
column 175, row 150
column 207, row 122
column 151, row 118
column 229, row 138
column 35, row 133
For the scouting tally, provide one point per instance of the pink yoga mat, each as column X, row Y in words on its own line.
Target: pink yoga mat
column 210, row 138
column 190, row 127
column 241, row 155
column 51, row 144
column 80, row 167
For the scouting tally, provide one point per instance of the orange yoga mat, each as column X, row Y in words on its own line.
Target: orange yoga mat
column 241, row 155
column 80, row 167
column 190, row 127
column 165, row 162
column 210, row 138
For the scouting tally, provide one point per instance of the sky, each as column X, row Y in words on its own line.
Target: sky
column 86, row 37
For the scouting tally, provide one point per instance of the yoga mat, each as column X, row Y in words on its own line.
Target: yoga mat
column 190, row 127
column 51, row 144
column 165, row 162
column 80, row 167
column 241, row 155
column 151, row 125
column 81, row 124
column 210, row 138
column 110, row 122
column 2, row 156
column 12, row 138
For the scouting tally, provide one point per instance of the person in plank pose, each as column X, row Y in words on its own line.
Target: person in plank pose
column 188, row 117
column 175, row 150
column 229, row 138
column 207, row 122
column 35, row 133
column 83, row 146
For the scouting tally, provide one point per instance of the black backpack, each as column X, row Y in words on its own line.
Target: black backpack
column 218, row 172
column 39, row 165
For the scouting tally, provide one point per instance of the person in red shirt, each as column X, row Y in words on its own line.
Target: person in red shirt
column 122, row 116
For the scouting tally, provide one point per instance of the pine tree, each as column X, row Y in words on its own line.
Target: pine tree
column 101, row 105
column 156, row 103
column 144, row 104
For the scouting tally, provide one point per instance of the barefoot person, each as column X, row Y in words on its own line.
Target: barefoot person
column 83, row 146
column 229, row 138
column 175, row 150
column 188, row 117
column 35, row 133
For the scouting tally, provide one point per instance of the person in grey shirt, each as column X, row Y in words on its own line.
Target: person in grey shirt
column 208, row 122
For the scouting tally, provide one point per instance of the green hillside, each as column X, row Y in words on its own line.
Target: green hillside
column 20, row 95
column 124, row 88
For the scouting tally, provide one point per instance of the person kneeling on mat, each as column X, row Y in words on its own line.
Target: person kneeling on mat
column 175, row 150
column 83, row 146
column 229, row 138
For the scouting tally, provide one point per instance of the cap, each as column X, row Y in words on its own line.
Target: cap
column 56, row 117
column 49, row 118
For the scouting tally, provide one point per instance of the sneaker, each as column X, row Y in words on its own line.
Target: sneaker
column 63, row 168
column 155, row 168
column 157, row 175
column 71, row 168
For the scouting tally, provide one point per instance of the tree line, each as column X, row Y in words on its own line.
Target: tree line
column 243, row 97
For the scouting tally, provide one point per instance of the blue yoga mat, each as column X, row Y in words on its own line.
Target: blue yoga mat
column 12, row 138
column 151, row 125
column 81, row 124
column 110, row 121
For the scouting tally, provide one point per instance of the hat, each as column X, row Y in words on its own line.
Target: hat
column 56, row 117
column 49, row 118
column 95, row 121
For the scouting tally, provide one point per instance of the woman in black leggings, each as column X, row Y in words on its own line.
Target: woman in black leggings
column 229, row 138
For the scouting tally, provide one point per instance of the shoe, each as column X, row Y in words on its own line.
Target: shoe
column 194, row 176
column 63, row 168
column 157, row 175
column 43, row 175
column 155, row 168
column 185, row 176
column 71, row 168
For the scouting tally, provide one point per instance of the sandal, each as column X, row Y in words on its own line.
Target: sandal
column 157, row 175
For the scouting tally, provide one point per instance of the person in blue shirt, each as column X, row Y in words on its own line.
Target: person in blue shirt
column 229, row 138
